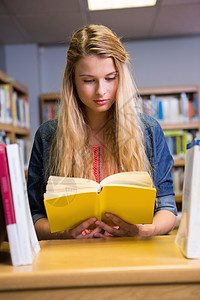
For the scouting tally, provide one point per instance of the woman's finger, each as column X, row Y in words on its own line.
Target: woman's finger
column 80, row 228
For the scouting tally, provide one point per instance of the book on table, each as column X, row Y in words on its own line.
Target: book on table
column 8, row 208
column 129, row 195
column 188, row 235
column 22, row 237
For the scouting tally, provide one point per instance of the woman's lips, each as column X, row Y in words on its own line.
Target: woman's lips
column 101, row 101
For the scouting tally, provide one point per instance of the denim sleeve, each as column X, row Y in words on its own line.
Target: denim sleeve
column 162, row 163
column 36, row 180
column 166, row 202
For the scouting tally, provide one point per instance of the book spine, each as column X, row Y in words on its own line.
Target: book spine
column 8, row 206
column 184, row 103
column 35, row 247
column 19, row 202
column 14, row 108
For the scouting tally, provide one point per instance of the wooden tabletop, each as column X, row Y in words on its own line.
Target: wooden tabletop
column 95, row 262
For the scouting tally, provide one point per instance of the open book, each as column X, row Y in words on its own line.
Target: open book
column 70, row 201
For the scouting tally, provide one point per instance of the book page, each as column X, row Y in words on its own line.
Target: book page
column 137, row 178
column 67, row 192
column 68, row 185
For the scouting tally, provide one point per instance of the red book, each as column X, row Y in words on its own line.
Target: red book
column 8, row 207
column 190, row 110
column 6, row 187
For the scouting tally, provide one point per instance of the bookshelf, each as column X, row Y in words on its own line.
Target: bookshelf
column 49, row 104
column 14, row 114
column 179, row 120
column 189, row 123
column 174, row 120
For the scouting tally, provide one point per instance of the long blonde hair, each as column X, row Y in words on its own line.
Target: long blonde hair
column 71, row 154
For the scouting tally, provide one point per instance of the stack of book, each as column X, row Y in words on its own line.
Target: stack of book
column 21, row 234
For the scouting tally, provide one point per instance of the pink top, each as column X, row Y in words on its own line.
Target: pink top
column 99, row 169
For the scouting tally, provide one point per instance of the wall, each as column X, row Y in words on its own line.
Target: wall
column 52, row 62
column 2, row 58
column 22, row 63
column 155, row 62
column 158, row 62
column 166, row 61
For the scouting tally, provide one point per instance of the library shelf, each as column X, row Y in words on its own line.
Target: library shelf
column 14, row 114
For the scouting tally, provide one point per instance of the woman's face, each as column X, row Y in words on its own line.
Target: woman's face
column 96, row 81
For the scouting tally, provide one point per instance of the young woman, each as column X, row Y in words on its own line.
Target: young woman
column 100, row 132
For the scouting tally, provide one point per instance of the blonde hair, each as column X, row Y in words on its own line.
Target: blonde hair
column 71, row 154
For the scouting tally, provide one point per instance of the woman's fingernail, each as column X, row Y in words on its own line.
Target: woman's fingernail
column 92, row 220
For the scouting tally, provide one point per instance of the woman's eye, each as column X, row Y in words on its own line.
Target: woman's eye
column 110, row 78
column 88, row 80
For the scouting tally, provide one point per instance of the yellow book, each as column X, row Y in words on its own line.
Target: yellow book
column 129, row 195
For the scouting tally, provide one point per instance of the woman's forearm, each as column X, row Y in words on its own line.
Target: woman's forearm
column 44, row 233
column 163, row 222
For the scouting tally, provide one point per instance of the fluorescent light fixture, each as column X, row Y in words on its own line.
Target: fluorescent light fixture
column 117, row 4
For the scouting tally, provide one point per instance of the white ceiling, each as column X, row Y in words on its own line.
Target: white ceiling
column 53, row 21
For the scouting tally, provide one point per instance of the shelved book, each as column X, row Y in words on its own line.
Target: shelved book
column 5, row 103
column 129, row 195
column 178, row 178
column 13, row 107
column 188, row 235
column 50, row 111
column 172, row 109
column 20, row 229
column 177, row 141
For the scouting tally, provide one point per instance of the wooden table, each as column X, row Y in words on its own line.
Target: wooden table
column 118, row 268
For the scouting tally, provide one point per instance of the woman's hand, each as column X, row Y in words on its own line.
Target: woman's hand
column 82, row 231
column 163, row 222
column 123, row 229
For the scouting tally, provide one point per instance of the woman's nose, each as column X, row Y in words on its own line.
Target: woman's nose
column 100, row 90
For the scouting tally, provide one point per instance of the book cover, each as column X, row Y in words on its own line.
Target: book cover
column 70, row 201
column 9, row 212
column 35, row 247
column 188, row 235
column 2, row 221
column 22, row 211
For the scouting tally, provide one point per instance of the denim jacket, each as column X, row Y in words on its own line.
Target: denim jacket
column 157, row 152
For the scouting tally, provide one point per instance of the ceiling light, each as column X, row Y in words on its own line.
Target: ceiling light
column 117, row 4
